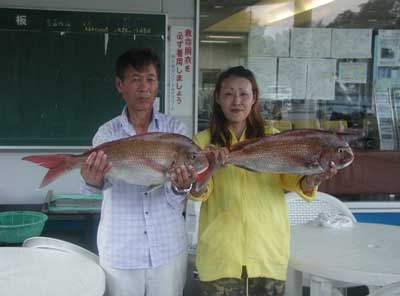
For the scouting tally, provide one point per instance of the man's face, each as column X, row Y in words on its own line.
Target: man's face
column 139, row 88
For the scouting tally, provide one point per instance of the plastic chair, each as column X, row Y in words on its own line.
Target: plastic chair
column 389, row 290
column 60, row 245
column 301, row 211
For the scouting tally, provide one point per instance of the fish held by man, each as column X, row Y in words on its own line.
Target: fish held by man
column 144, row 159
column 301, row 152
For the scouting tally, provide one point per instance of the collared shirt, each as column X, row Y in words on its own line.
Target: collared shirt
column 139, row 228
column 244, row 221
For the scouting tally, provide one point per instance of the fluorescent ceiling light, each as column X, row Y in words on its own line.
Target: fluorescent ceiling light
column 214, row 41
column 224, row 37
column 270, row 13
column 263, row 13
column 315, row 3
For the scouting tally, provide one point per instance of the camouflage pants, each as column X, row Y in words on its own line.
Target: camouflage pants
column 237, row 287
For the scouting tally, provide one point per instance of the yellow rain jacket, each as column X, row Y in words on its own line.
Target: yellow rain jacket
column 244, row 221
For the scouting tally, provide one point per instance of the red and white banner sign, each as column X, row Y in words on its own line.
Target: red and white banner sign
column 181, row 70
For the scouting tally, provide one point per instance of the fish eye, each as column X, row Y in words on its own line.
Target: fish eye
column 193, row 157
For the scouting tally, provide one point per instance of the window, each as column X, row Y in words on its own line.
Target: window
column 319, row 64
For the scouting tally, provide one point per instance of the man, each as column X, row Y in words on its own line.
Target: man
column 141, row 237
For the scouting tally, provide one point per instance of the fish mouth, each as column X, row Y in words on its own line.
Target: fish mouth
column 203, row 170
column 203, row 174
column 346, row 164
column 348, row 160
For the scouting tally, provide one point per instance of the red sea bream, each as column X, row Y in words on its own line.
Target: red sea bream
column 302, row 152
column 142, row 159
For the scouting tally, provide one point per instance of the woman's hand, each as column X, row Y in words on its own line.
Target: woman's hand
column 309, row 182
column 218, row 158
column 220, row 155
column 95, row 168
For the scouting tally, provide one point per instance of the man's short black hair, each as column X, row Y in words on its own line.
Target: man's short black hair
column 138, row 58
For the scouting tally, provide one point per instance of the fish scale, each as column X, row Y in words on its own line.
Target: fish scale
column 142, row 159
column 303, row 152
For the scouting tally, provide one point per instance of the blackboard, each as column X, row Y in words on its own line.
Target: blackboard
column 58, row 69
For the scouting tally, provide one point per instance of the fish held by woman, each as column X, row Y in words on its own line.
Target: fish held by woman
column 301, row 152
column 144, row 159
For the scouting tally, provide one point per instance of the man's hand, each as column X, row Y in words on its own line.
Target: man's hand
column 95, row 168
column 183, row 177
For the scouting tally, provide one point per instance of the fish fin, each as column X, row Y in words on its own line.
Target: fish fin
column 247, row 168
column 243, row 144
column 57, row 164
column 315, row 165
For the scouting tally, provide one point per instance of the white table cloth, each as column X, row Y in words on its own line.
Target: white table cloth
column 46, row 272
column 365, row 254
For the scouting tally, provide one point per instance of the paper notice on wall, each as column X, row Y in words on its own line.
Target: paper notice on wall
column 269, row 42
column 311, row 42
column 321, row 79
column 396, row 111
column 353, row 72
column 292, row 75
column 181, row 71
column 264, row 69
column 385, row 118
column 351, row 43
column 388, row 48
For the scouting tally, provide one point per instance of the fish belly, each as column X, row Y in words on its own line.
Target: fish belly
column 276, row 164
column 137, row 175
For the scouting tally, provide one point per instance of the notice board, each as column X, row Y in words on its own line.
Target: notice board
column 58, row 70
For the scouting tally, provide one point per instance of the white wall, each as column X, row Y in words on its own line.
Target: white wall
column 19, row 179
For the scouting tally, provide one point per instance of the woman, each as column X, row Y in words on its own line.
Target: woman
column 243, row 245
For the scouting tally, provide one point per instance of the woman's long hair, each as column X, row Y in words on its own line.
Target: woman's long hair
column 220, row 134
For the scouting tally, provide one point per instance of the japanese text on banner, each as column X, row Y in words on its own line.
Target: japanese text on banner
column 181, row 70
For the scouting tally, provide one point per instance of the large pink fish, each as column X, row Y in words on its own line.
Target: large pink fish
column 142, row 159
column 302, row 152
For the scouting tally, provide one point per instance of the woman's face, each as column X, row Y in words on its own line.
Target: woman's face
column 236, row 99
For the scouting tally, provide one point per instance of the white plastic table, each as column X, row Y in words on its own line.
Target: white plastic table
column 365, row 254
column 46, row 272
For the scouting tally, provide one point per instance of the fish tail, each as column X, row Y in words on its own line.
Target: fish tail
column 57, row 164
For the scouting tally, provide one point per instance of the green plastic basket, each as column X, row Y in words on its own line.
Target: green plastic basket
column 16, row 226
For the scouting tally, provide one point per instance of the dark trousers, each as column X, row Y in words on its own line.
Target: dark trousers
column 244, row 286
